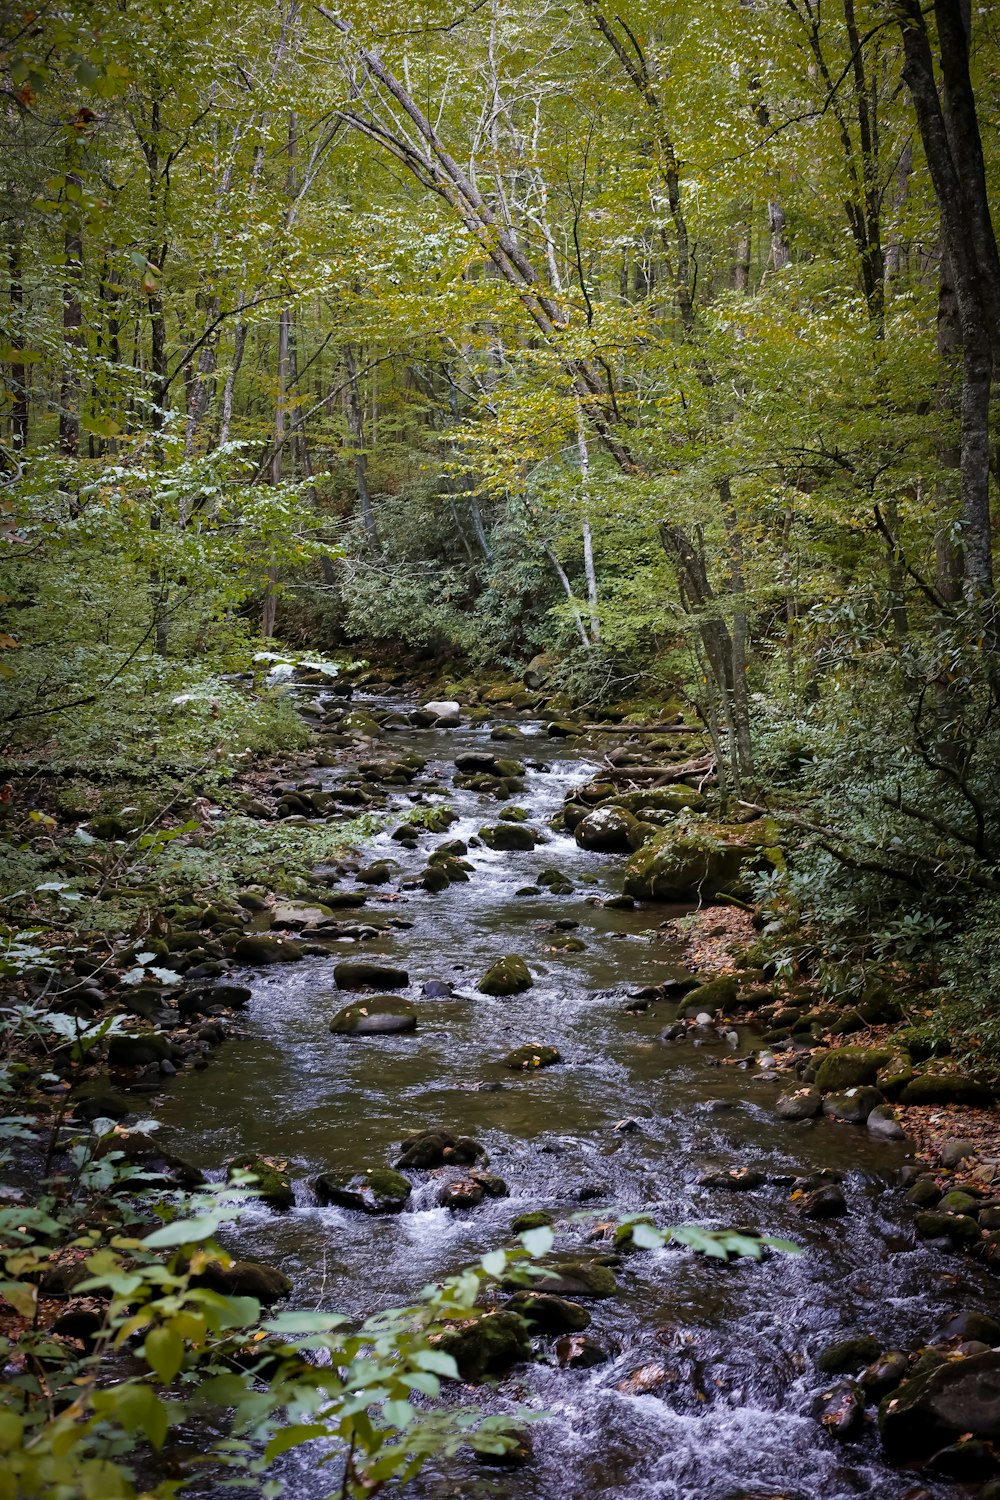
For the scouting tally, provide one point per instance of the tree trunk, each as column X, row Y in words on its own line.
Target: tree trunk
column 355, row 419
column 18, row 369
column 72, row 321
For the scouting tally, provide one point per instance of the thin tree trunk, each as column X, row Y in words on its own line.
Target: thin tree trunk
column 72, row 320
column 19, row 412
column 588, row 540
column 355, row 419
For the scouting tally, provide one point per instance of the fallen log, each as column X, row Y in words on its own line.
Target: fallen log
column 643, row 729
column 660, row 775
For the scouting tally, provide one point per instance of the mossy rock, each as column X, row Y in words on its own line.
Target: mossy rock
column 381, row 1015
column 359, row 974
column 960, row 1229
column 245, row 1278
column 531, row 1056
column 717, row 994
column 850, row 1067
column 669, row 799
column 509, row 837
column 687, row 865
column 437, row 1148
column 97, row 1100
column 260, row 948
column 487, row 1345
column 273, row 1185
column 508, row 976
column 606, row 830
column 377, row 1190
column 894, row 1075
column 515, row 815
column 947, row 1088
column 547, row 1313
column 848, row 1355
column 933, row 1408
column 534, row 1218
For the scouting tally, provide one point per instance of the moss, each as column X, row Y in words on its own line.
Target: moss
column 273, row 1185
column 508, row 976
column 850, row 1067
column 531, row 1056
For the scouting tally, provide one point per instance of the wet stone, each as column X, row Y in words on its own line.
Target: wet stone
column 577, row 1352
column 381, row 1015
column 359, row 974
column 508, row 976
column 531, row 1056
column 547, row 1313
column 377, row 1190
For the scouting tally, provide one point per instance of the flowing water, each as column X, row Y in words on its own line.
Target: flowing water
column 710, row 1390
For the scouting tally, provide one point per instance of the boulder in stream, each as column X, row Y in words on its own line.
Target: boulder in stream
column 688, row 864
column 508, row 976
column 261, row 948
column 607, row 830
column 273, row 1185
column 853, row 1106
column 245, row 1278
column 488, row 1344
column 376, row 1190
column 381, row 1015
column 799, row 1104
column 931, row 1410
column 360, row 973
column 530, row 1056
column 547, row 1313
column 509, row 837
column 850, row 1067
column 438, row 1148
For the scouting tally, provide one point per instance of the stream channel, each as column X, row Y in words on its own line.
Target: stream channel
column 710, row 1389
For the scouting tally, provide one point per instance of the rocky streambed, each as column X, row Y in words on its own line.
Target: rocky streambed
column 483, row 1031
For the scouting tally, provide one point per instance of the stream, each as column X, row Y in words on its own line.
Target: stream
column 710, row 1389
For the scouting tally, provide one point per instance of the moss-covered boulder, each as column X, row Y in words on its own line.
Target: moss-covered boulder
column 718, row 994
column 360, row 974
column 688, row 864
column 848, row 1355
column 508, row 976
column 259, row 948
column 949, row 1087
column 670, row 799
column 531, row 1056
column 960, row 1229
column 382, row 1015
column 852, row 1106
column 273, row 1185
column 607, row 830
column 487, row 1345
column 377, row 1190
column 136, row 1049
column 509, row 837
column 245, row 1278
column 533, row 1218
column 850, row 1067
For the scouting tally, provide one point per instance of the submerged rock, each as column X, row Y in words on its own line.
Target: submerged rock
column 577, row 1352
column 532, row 1055
column 382, row 1015
column 438, row 1148
column 508, row 837
column 359, row 974
column 377, row 1190
column 848, row 1355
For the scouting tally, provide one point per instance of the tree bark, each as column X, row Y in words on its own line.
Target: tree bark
column 19, row 410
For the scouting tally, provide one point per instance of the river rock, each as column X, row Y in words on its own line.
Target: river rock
column 136, row 1049
column 737, row 1179
column 717, row 994
column 508, row 976
column 607, row 830
column 827, row 1202
column 378, row 873
column 885, row 1372
column 465, row 1193
column 359, row 974
column 848, row 1355
column 261, row 948
column 438, row 1148
column 488, row 1344
column 97, row 1100
column 853, row 1106
column 948, row 1087
column 381, row 1015
column 960, row 1229
column 517, row 1452
column 850, row 1067
column 843, row 1410
column 530, row 1056
column 377, row 1190
column 576, row 1278
column 954, row 1152
column 245, row 1278
column 577, row 1352
column 273, row 1185
column 931, row 1410
column 509, row 837
column 286, row 914
column 800, row 1104
column 547, row 1313
column 671, row 799
column 883, row 1123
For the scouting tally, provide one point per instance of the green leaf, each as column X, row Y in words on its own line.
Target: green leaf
column 646, row 1236
column 164, row 1352
column 399, row 1413
column 183, row 1232
column 537, row 1241
column 493, row 1263
column 436, row 1360
column 291, row 1437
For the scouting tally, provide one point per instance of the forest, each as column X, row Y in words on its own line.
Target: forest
column 500, row 787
